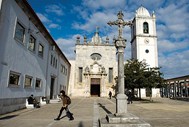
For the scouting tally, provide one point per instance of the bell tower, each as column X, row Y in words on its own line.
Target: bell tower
column 144, row 37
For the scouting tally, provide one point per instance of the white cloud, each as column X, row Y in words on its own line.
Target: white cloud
column 54, row 9
column 175, row 64
column 53, row 25
column 172, row 28
column 168, row 46
column 96, row 19
column 175, row 18
column 43, row 18
column 49, row 23
column 96, row 4
column 67, row 46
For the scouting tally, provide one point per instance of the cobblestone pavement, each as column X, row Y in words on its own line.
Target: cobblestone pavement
column 163, row 112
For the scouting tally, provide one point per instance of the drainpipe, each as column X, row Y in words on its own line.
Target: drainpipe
column 47, row 72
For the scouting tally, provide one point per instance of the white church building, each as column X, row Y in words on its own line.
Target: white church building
column 94, row 69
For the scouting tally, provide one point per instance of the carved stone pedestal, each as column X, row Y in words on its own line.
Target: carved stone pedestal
column 124, row 120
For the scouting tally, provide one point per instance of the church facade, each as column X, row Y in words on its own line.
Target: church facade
column 94, row 70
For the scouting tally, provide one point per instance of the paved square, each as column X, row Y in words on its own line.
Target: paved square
column 162, row 113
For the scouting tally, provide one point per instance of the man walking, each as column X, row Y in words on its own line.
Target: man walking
column 65, row 101
column 110, row 94
column 129, row 97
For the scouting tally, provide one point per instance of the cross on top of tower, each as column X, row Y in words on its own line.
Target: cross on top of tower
column 97, row 29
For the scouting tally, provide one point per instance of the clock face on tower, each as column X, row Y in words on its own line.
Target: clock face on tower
column 146, row 41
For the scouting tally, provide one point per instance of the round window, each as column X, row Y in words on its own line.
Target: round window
column 147, row 51
column 96, row 56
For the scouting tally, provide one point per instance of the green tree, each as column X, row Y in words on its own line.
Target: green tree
column 138, row 75
column 153, row 79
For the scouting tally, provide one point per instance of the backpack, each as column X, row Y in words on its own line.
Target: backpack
column 68, row 100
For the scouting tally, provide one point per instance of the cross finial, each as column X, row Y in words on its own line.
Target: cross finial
column 120, row 15
column 97, row 29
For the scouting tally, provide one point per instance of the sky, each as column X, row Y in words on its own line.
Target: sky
column 67, row 19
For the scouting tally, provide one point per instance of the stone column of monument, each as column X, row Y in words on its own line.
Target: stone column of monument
column 120, row 43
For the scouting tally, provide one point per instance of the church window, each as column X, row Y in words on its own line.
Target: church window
column 80, row 74
column 110, row 75
column 96, row 56
column 147, row 51
column 19, row 32
column 32, row 41
column 145, row 27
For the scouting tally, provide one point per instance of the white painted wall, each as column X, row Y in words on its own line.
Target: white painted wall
column 0, row 4
column 16, row 57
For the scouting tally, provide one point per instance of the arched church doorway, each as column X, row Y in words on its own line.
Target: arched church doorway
column 95, row 87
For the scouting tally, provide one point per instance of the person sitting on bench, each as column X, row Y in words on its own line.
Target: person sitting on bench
column 32, row 100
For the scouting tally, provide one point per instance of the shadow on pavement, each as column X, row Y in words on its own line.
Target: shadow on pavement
column 8, row 117
column 80, row 124
column 105, row 109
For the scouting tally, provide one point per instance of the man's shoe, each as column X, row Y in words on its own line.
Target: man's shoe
column 57, row 119
column 71, row 118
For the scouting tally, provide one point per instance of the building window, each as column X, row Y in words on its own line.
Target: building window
column 41, row 50
column 19, row 33
column 51, row 59
column 110, row 75
column 147, row 51
column 61, row 68
column 56, row 63
column 80, row 74
column 145, row 27
column 32, row 41
column 133, row 31
column 66, row 71
column 96, row 56
column 38, row 83
column 14, row 78
column 28, row 81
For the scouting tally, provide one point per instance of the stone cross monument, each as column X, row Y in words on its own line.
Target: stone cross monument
column 121, row 118
column 120, row 43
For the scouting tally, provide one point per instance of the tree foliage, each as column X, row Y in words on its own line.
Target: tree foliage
column 138, row 75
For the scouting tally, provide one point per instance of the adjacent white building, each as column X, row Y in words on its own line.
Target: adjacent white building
column 30, row 60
